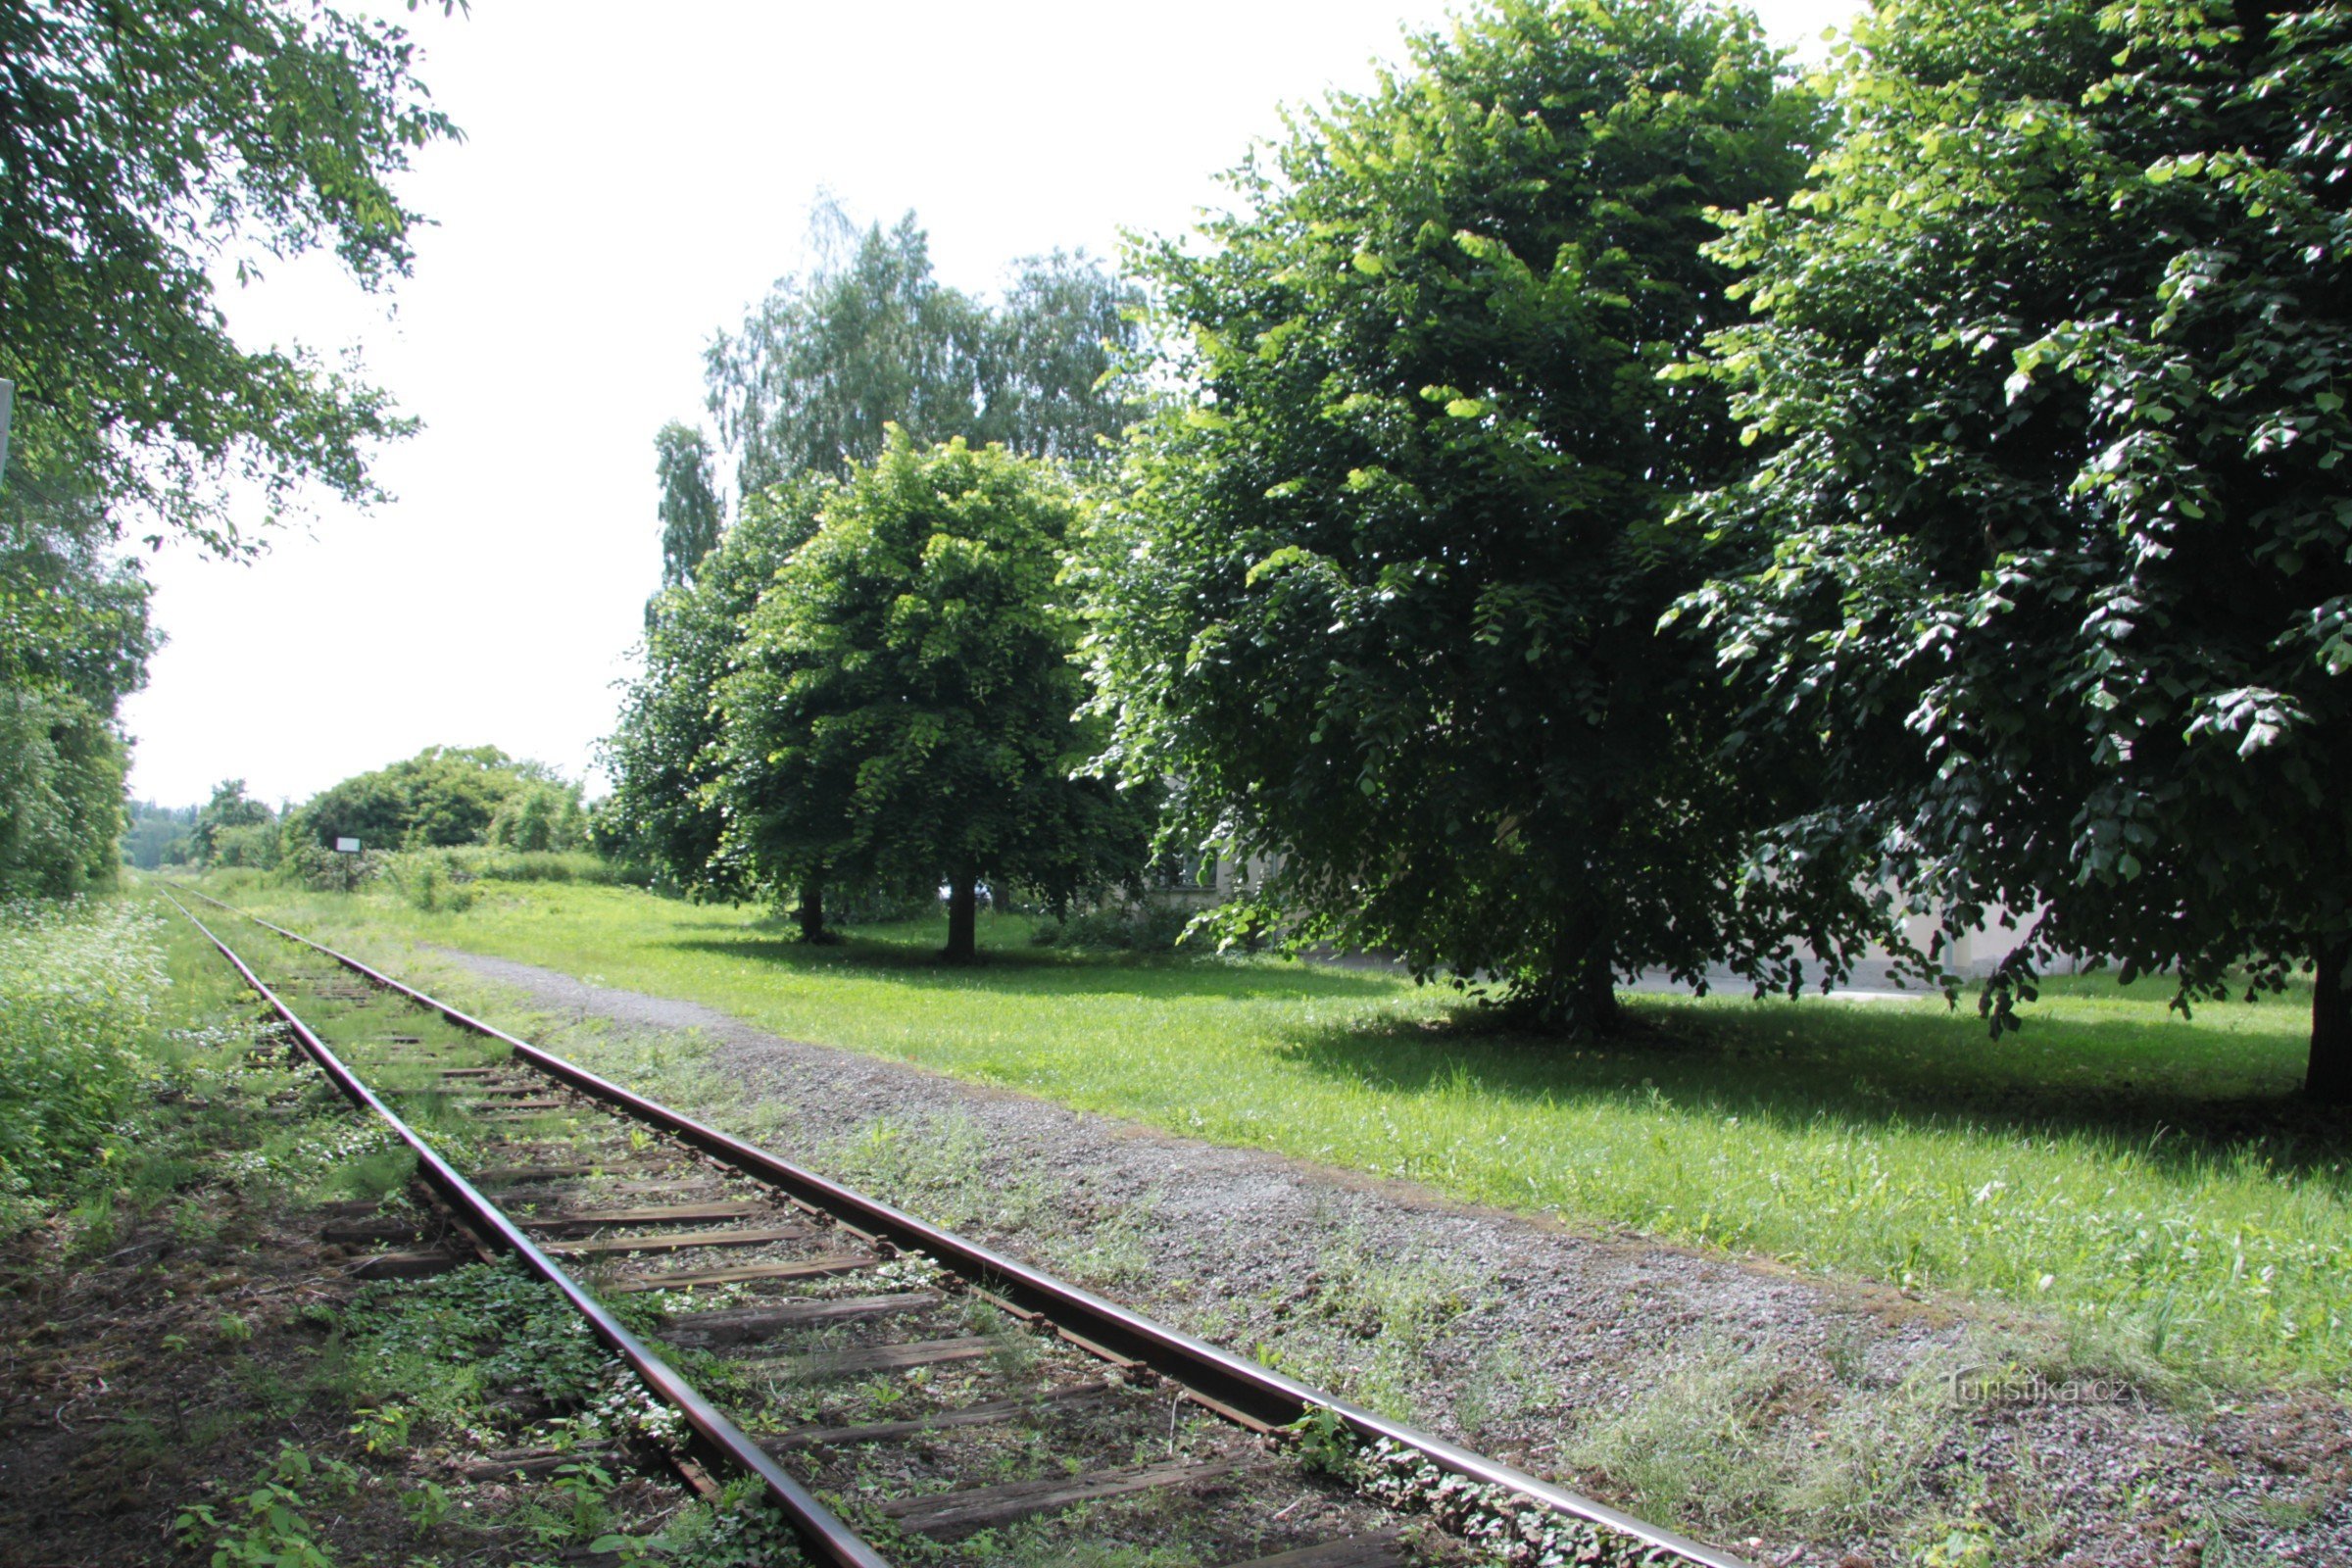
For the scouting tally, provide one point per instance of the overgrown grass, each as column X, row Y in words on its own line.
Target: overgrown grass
column 2143, row 1180
column 80, row 985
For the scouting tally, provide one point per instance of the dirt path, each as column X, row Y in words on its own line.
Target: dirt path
column 1798, row 1421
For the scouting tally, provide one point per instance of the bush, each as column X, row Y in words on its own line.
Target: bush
column 539, row 817
column 444, row 879
column 569, row 865
column 61, row 794
column 324, row 870
column 79, row 982
column 253, row 845
column 434, row 881
column 1147, row 927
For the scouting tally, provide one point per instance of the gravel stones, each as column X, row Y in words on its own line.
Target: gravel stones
column 1797, row 1420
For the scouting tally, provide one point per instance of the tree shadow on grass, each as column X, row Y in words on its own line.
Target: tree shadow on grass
column 912, row 957
column 2177, row 1093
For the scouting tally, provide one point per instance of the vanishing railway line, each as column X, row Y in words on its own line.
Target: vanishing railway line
column 1010, row 1397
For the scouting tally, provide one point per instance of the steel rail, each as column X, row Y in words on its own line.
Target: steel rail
column 826, row 1535
column 1223, row 1381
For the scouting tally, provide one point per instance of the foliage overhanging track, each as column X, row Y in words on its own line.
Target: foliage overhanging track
column 1253, row 1396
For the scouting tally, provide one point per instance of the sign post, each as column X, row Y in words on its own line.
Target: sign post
column 347, row 846
column 8, row 405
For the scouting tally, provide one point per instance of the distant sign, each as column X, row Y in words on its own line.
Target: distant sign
column 347, row 846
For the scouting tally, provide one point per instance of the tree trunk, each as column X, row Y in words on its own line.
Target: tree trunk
column 1583, row 981
column 2328, row 1078
column 964, row 908
column 812, row 912
column 1597, row 1008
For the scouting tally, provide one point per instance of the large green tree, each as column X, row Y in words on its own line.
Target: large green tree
column 444, row 794
column 906, row 708
column 867, row 339
column 2051, row 551
column 146, row 149
column 1381, row 603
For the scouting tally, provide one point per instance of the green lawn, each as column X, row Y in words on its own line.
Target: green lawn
column 2143, row 1180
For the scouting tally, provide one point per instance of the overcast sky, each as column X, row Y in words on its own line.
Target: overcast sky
column 632, row 178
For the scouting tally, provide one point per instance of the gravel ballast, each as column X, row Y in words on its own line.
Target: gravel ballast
column 1795, row 1420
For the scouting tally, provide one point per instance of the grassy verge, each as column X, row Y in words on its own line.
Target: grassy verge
column 2143, row 1179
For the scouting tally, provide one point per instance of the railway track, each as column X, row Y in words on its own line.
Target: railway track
column 936, row 1390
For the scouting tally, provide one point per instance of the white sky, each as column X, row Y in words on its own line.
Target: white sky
column 632, row 180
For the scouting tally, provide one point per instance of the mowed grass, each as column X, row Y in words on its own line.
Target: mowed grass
column 2143, row 1182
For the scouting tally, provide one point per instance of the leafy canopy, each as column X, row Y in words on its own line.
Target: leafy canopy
column 668, row 756
column 143, row 151
column 870, row 338
column 230, row 809
column 690, row 512
column 905, row 711
column 2050, row 548
column 444, row 794
column 74, row 640
column 1380, row 602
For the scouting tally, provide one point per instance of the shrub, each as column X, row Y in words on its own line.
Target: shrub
column 79, row 982
column 1147, row 927
column 539, row 817
column 434, row 881
column 251, row 844
column 61, row 794
column 324, row 870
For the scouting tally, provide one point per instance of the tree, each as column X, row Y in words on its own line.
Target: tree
column 231, row 808
column 144, row 149
column 74, row 640
column 1381, row 604
column 444, row 794
column 668, row 756
column 538, row 816
column 1049, row 359
column 807, row 389
column 61, row 794
column 141, row 149
column 871, row 338
column 907, row 707
column 159, row 835
column 690, row 512
column 2050, row 551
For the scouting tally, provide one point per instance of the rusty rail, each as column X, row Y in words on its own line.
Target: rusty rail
column 1253, row 1394
column 826, row 1535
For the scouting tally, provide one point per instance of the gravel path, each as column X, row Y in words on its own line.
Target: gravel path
column 1794, row 1420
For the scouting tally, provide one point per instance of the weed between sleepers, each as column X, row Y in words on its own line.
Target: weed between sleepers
column 1505, row 1527
column 472, row 1303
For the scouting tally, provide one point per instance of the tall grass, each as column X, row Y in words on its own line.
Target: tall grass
column 2141, row 1182
column 79, row 987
